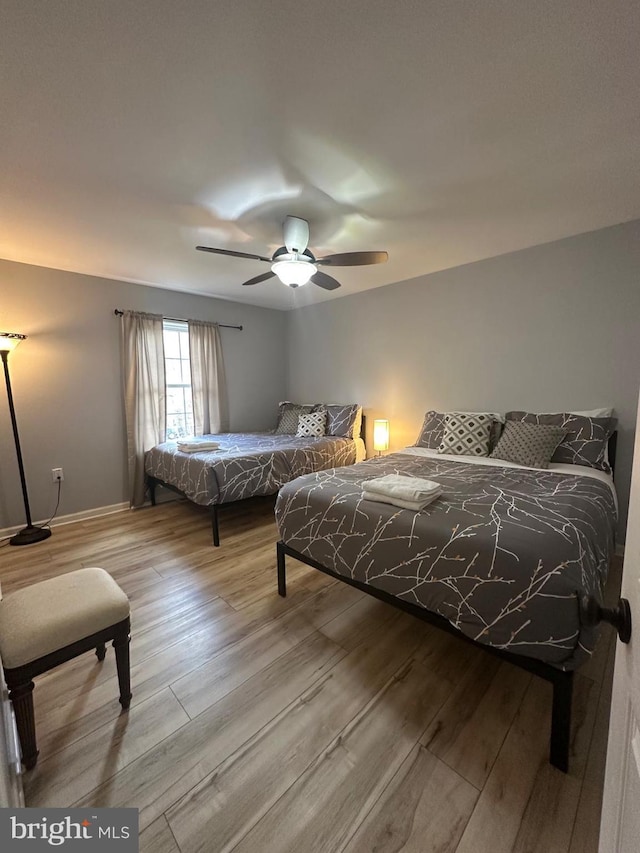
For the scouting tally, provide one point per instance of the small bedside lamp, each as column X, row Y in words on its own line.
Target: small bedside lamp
column 380, row 435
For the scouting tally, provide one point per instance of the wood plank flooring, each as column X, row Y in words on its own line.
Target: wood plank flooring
column 326, row 721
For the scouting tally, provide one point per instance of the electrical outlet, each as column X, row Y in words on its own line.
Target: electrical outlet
column 57, row 474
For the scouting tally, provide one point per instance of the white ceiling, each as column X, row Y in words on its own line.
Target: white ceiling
column 444, row 132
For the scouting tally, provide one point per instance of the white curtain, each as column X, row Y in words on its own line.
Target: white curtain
column 144, row 393
column 208, row 384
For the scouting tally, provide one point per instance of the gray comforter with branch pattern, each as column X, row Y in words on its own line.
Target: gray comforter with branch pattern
column 502, row 554
column 246, row 465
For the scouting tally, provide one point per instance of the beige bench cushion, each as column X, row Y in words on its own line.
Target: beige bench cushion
column 50, row 615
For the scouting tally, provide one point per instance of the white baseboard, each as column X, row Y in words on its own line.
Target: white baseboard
column 85, row 514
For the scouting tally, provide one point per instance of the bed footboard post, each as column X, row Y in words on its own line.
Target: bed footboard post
column 214, row 525
column 151, row 485
column 282, row 575
column 561, row 720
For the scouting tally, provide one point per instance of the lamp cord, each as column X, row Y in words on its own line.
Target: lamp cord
column 55, row 512
column 5, row 541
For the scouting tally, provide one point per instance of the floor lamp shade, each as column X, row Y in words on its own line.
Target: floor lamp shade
column 380, row 434
column 29, row 534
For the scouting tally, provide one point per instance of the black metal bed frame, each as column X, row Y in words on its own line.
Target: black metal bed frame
column 154, row 482
column 562, row 681
column 591, row 613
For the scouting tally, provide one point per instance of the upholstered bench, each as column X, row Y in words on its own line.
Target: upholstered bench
column 54, row 621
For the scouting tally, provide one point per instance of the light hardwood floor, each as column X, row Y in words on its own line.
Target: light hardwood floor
column 326, row 721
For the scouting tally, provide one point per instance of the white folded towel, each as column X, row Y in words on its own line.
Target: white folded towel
column 403, row 487
column 194, row 446
column 416, row 506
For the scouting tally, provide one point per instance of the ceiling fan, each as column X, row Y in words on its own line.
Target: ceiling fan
column 294, row 264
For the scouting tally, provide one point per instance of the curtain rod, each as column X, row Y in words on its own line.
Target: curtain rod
column 119, row 313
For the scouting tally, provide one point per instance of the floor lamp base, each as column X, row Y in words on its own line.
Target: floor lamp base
column 30, row 535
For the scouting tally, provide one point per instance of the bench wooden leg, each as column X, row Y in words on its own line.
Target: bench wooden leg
column 101, row 651
column 121, row 646
column 21, row 696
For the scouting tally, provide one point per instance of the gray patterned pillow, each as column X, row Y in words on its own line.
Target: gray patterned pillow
column 433, row 429
column 312, row 424
column 341, row 420
column 288, row 417
column 585, row 441
column 466, row 434
column 528, row 444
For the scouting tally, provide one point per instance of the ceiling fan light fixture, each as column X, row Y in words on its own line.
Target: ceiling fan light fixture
column 294, row 264
column 294, row 273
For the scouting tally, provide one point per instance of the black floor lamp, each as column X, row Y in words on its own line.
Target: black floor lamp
column 29, row 534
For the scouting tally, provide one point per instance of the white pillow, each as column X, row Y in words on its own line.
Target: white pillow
column 594, row 413
column 311, row 425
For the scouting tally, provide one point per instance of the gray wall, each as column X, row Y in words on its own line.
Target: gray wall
column 66, row 380
column 555, row 327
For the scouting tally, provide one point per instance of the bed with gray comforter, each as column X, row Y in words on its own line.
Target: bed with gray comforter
column 245, row 465
column 503, row 554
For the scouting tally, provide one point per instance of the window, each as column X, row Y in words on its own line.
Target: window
column 178, row 379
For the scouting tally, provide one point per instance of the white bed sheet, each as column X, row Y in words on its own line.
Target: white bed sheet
column 563, row 468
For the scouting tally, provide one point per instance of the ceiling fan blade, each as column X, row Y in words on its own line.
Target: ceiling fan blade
column 259, row 278
column 325, row 281
column 232, row 254
column 296, row 234
column 354, row 259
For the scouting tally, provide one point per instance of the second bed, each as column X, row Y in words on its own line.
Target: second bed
column 245, row 465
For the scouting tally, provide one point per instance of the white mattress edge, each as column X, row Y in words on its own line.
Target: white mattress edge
column 561, row 468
